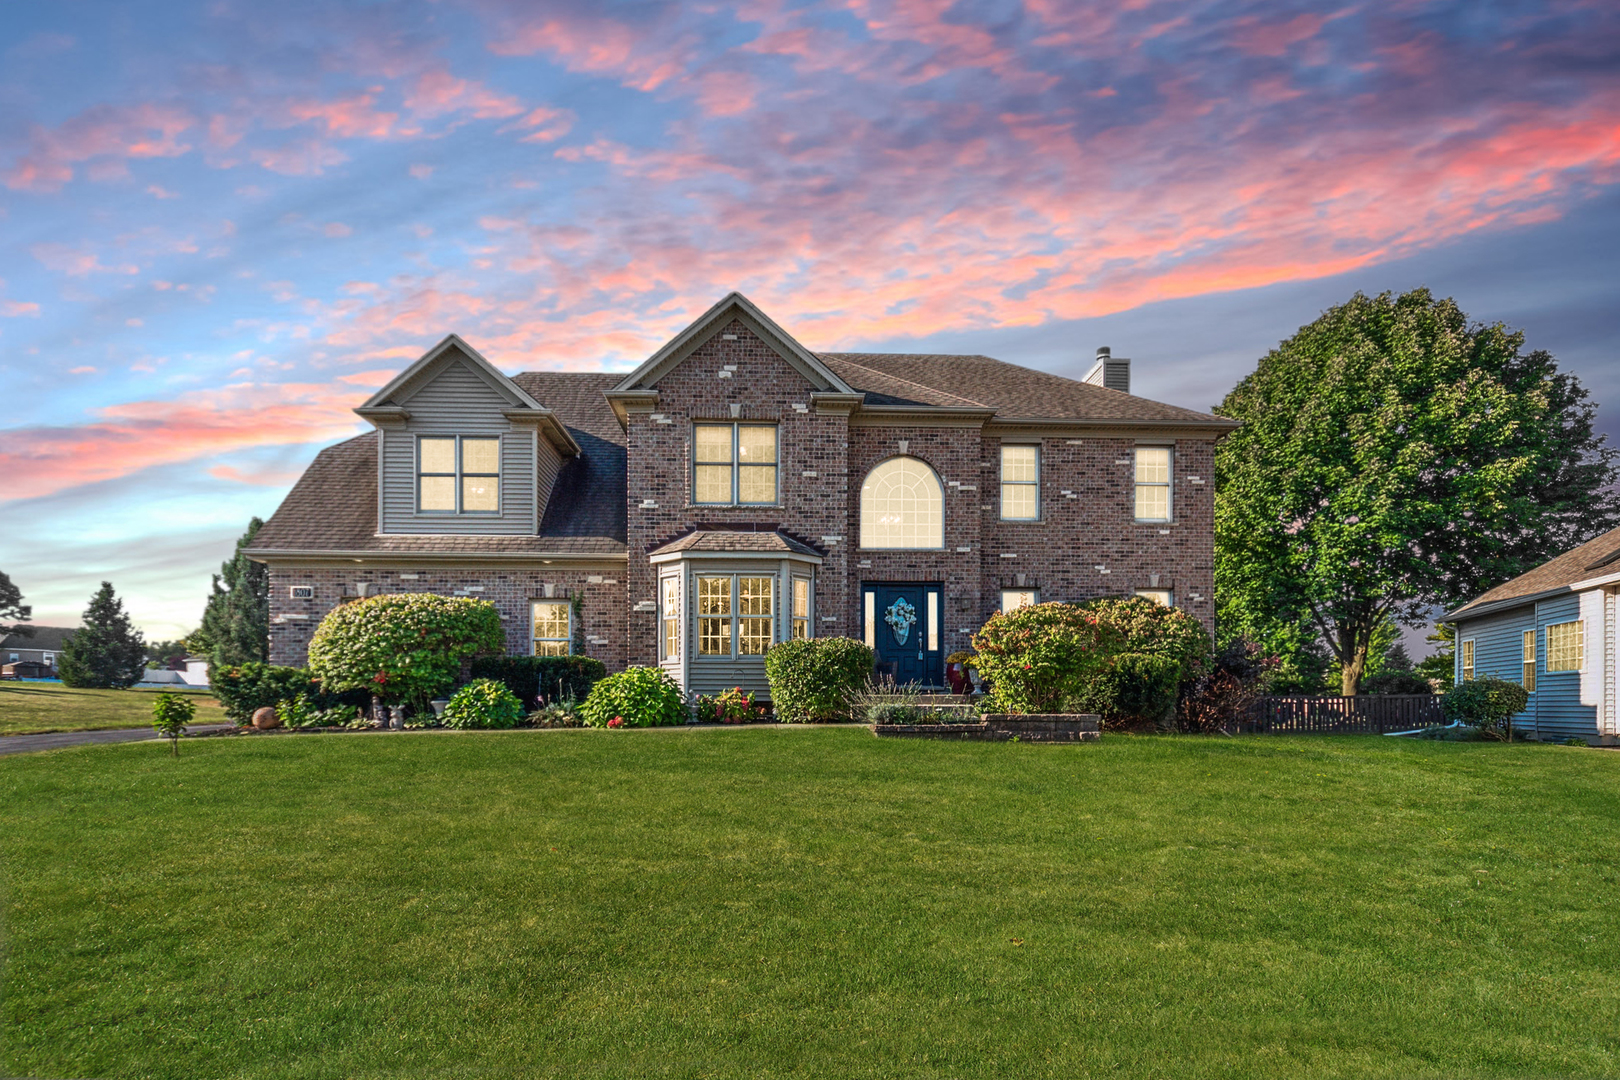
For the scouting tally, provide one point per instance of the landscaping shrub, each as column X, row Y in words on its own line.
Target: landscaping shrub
column 483, row 703
column 731, row 707
column 170, row 715
column 542, row 679
column 635, row 697
column 404, row 647
column 297, row 712
column 556, row 714
column 1038, row 659
column 1489, row 704
column 1150, row 628
column 1396, row 682
column 1135, row 689
column 815, row 679
column 1223, row 697
column 246, row 688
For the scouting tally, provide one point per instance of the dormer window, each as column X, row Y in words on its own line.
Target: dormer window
column 458, row 474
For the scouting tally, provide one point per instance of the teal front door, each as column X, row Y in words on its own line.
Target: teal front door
column 905, row 631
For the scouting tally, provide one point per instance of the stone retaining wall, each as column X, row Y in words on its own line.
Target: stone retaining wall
column 1004, row 727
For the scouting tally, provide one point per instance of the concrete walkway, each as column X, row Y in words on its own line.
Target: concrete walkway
column 23, row 744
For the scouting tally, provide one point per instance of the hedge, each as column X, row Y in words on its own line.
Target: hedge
column 246, row 688
column 635, row 697
column 533, row 678
column 403, row 647
column 814, row 679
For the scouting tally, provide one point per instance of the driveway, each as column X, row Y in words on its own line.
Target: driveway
column 23, row 744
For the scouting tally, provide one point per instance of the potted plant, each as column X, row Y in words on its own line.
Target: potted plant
column 957, row 666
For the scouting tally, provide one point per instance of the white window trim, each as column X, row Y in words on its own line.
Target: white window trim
column 1466, row 672
column 1546, row 644
column 860, row 506
column 500, row 484
column 535, row 638
column 809, row 605
column 680, row 628
column 1169, row 484
column 1001, row 490
column 736, row 462
column 736, row 616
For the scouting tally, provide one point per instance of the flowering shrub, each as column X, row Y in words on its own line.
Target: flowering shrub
column 816, row 679
column 404, row 647
column 1152, row 629
column 731, row 707
column 483, row 703
column 1038, row 659
column 635, row 697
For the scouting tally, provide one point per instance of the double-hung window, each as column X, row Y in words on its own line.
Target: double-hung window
column 735, row 615
column 671, row 613
column 1467, row 661
column 734, row 464
column 1020, row 483
column 458, row 474
column 801, row 608
column 552, row 627
column 1529, row 645
column 1152, row 483
column 1566, row 646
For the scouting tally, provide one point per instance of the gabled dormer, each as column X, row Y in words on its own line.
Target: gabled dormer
column 462, row 449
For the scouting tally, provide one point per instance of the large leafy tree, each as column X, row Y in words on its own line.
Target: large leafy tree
column 236, row 623
column 1393, row 457
column 106, row 651
column 12, row 607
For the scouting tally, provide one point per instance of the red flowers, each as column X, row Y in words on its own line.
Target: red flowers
column 617, row 721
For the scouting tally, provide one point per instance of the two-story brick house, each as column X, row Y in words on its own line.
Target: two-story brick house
column 737, row 489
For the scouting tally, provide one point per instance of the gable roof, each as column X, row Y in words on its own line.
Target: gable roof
column 47, row 638
column 1595, row 559
column 1015, row 393
column 733, row 305
column 333, row 507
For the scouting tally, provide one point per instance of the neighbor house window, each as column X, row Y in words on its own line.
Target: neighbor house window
column 553, row 631
column 801, row 608
column 671, row 588
column 1468, row 661
column 1020, row 483
column 1158, row 596
column 1566, row 646
column 902, row 507
column 1152, row 483
column 733, row 464
column 1013, row 599
column 735, row 615
column 1529, row 661
column 458, row 474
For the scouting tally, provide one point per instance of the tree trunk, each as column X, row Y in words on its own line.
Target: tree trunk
column 1354, row 644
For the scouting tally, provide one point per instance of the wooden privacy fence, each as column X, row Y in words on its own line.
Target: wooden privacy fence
column 1334, row 714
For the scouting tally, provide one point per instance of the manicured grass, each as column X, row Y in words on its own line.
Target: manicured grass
column 28, row 708
column 816, row 903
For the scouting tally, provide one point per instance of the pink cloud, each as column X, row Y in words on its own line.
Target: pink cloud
column 76, row 262
column 336, row 229
column 103, row 132
column 346, row 118
column 1258, row 38
column 438, row 92
column 310, row 158
column 255, row 477
column 13, row 309
column 543, row 124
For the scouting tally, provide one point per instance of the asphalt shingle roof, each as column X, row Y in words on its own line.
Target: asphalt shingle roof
column 733, row 540
column 1594, row 558
column 48, row 638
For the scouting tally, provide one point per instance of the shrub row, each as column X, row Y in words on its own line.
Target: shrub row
column 534, row 680
column 246, row 688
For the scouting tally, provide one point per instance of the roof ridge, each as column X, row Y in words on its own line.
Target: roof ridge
column 909, row 382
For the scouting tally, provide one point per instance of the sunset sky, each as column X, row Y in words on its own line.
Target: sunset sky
column 223, row 223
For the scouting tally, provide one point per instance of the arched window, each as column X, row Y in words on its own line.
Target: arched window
column 902, row 506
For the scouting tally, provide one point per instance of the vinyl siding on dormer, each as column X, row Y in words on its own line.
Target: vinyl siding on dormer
column 459, row 401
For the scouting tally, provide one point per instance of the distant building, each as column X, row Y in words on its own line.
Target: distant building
column 41, row 647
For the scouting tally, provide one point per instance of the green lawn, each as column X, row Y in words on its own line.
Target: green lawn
column 817, row 903
column 27, row 708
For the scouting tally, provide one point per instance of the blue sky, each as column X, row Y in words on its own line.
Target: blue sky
column 222, row 224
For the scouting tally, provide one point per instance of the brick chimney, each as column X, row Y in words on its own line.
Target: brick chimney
column 1113, row 372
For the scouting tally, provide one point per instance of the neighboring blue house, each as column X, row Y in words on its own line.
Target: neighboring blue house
column 1553, row 630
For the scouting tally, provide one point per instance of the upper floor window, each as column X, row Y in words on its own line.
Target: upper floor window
column 1566, row 646
column 1152, row 483
column 733, row 464
column 1529, row 661
column 458, row 474
column 902, row 506
column 552, row 629
column 1020, row 483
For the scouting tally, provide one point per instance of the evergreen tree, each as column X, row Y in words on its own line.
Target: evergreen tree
column 236, row 623
column 12, row 607
column 1395, row 457
column 106, row 651
column 1440, row 664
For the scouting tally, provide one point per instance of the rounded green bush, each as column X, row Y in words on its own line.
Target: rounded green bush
column 815, row 679
column 1487, row 703
column 635, row 697
column 1039, row 658
column 483, row 703
column 403, row 647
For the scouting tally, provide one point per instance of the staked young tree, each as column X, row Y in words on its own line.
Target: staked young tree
column 12, row 607
column 106, row 651
column 236, row 623
column 1395, row 457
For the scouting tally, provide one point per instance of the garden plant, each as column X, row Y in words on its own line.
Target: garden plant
column 405, row 648
column 816, row 679
column 483, row 703
column 170, row 715
column 635, row 697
